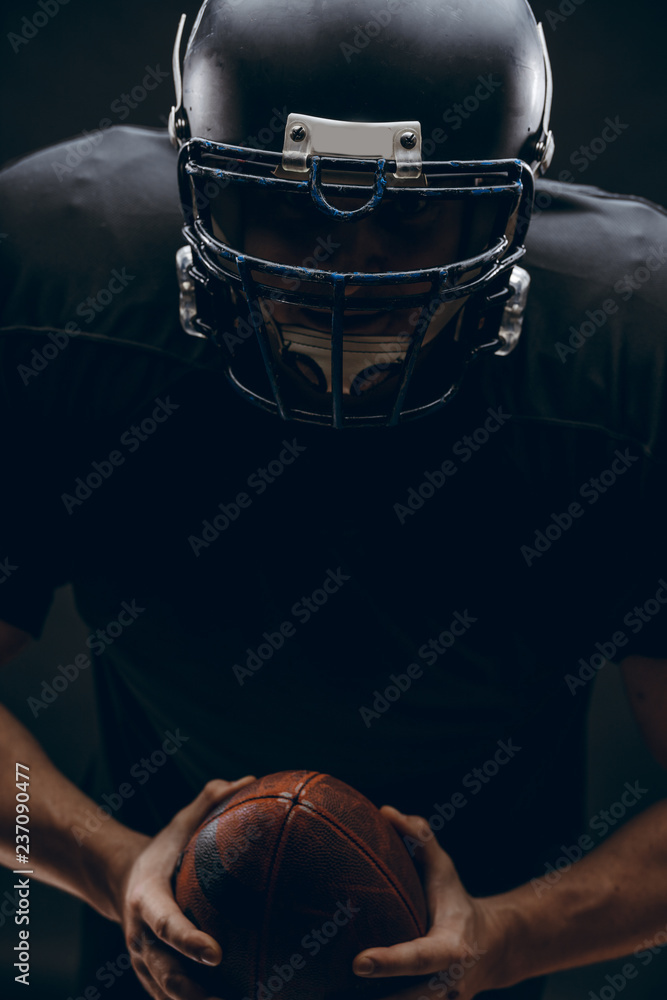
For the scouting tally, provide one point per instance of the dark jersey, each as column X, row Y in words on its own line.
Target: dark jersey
column 418, row 611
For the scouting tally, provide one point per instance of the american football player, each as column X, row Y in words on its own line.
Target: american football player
column 347, row 429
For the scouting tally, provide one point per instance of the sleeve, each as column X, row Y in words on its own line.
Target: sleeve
column 640, row 612
column 33, row 544
column 33, row 538
column 88, row 304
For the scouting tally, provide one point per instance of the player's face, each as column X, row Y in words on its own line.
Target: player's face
column 404, row 234
column 410, row 233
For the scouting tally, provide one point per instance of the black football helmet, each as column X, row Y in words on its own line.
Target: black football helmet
column 357, row 179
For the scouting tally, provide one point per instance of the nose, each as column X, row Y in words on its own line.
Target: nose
column 362, row 248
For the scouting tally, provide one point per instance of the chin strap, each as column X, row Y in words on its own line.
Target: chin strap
column 503, row 311
column 546, row 145
column 179, row 128
column 511, row 323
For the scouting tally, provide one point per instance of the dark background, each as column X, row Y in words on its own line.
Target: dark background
column 608, row 60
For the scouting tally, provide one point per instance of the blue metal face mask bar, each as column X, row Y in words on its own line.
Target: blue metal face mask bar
column 337, row 348
column 413, row 351
column 494, row 262
column 315, row 187
column 261, row 332
column 429, row 302
column 491, row 262
column 205, row 159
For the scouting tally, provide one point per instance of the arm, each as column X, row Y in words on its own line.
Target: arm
column 123, row 874
column 56, row 805
column 612, row 903
column 90, row 871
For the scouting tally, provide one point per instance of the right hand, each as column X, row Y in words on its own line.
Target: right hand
column 152, row 922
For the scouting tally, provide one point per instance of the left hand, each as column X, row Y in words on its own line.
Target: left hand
column 464, row 946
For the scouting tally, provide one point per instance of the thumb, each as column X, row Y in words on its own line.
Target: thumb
column 188, row 819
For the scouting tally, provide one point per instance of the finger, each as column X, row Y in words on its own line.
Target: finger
column 423, row 991
column 414, row 826
column 186, row 821
column 437, row 870
column 161, row 912
column 439, row 987
column 148, row 962
column 423, row 845
column 170, row 925
column 147, row 981
column 170, row 976
column 410, row 958
column 152, row 989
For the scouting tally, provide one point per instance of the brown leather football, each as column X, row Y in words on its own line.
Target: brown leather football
column 294, row 875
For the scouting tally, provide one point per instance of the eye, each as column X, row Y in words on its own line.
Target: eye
column 409, row 208
column 295, row 202
column 412, row 205
column 296, row 209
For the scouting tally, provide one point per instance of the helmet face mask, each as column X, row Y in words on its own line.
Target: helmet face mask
column 347, row 280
